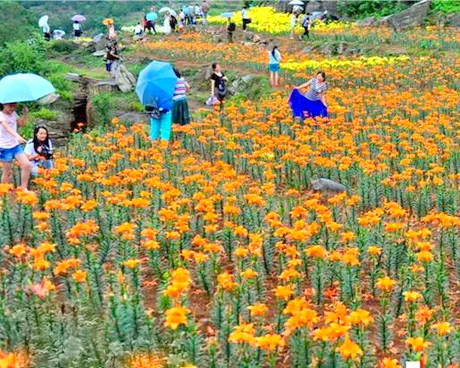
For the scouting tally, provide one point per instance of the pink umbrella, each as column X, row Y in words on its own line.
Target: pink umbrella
column 78, row 18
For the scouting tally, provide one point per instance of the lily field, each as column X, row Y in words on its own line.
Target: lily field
column 214, row 251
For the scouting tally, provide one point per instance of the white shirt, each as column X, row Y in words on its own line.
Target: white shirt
column 8, row 140
column 29, row 149
column 138, row 29
column 46, row 28
column 245, row 14
column 293, row 20
column 76, row 26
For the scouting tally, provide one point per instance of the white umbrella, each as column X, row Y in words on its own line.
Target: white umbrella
column 168, row 10
column 43, row 21
column 297, row 2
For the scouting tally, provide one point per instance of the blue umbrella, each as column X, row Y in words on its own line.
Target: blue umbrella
column 151, row 16
column 155, row 85
column 227, row 15
column 24, row 87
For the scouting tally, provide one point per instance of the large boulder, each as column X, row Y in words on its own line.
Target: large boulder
column 411, row 17
column 59, row 128
column 327, row 185
column 454, row 20
column 124, row 79
column 320, row 6
column 366, row 22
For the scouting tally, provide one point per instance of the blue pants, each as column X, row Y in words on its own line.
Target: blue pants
column 161, row 127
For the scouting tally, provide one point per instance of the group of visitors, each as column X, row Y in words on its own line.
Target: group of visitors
column 38, row 151
column 175, row 111
column 303, row 20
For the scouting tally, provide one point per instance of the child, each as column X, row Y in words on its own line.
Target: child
column 39, row 150
column 10, row 143
column 231, row 28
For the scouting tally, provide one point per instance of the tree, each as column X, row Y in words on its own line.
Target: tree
column 17, row 23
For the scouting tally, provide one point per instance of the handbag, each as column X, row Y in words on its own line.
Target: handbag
column 212, row 100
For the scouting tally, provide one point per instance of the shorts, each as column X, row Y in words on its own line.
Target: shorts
column 7, row 154
column 274, row 67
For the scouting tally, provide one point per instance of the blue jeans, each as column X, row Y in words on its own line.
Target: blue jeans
column 161, row 127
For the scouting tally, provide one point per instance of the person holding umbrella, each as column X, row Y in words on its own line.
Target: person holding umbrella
column 155, row 89
column 76, row 29
column 10, row 144
column 13, row 89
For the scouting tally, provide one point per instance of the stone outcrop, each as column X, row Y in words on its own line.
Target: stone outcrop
column 327, row 185
column 411, row 17
column 124, row 80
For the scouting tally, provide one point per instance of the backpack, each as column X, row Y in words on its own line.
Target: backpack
column 231, row 27
column 306, row 21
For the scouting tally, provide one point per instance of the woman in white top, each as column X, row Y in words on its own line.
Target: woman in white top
column 293, row 23
column 39, row 150
column 245, row 17
column 167, row 24
column 10, row 143
column 77, row 29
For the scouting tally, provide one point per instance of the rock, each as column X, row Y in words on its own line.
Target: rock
column 249, row 36
column 99, row 53
column 322, row 185
column 283, row 6
column 134, row 117
column 454, row 20
column 366, row 22
column 99, row 42
column 247, row 78
column 59, row 129
column 326, row 49
column 307, row 50
column 342, row 46
column 217, row 38
column 73, row 77
column 411, row 17
column 314, row 6
column 256, row 39
column 124, row 79
column 49, row 99
column 98, row 38
column 321, row 6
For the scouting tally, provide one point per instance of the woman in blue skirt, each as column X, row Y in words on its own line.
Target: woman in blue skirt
column 313, row 103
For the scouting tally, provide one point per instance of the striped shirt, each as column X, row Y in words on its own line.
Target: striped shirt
column 179, row 90
column 315, row 91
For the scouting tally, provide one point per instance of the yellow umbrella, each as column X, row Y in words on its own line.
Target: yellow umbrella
column 107, row 21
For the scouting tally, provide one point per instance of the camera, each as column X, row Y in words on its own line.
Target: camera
column 46, row 153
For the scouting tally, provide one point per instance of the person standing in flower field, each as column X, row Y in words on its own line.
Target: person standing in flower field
column 10, row 143
column 230, row 29
column 218, row 83
column 245, row 17
column 293, row 24
column 76, row 29
column 274, row 57
column 205, row 9
column 180, row 111
column 306, row 25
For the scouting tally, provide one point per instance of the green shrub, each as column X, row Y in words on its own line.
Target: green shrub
column 367, row 8
column 17, row 23
column 21, row 57
column 62, row 46
column 43, row 114
column 102, row 107
column 446, row 6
